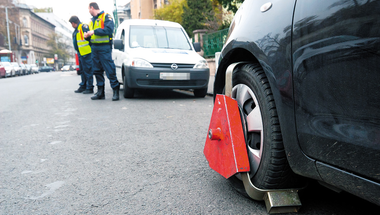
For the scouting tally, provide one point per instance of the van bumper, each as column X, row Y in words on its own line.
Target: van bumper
column 151, row 78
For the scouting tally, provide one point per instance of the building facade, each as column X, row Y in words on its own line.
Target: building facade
column 124, row 12
column 9, row 28
column 64, row 32
column 144, row 9
column 28, row 35
column 35, row 33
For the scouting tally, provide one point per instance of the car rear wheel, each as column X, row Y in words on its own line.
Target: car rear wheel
column 200, row 93
column 127, row 92
column 269, row 168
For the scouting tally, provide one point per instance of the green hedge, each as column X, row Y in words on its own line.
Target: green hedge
column 213, row 42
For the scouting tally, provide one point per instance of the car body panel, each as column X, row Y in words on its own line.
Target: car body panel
column 150, row 78
column 336, row 81
column 23, row 69
column 45, row 69
column 16, row 68
column 66, row 68
column 34, row 68
column 325, row 82
column 3, row 72
column 28, row 68
column 270, row 48
column 9, row 69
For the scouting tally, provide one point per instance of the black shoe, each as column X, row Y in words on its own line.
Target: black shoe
column 80, row 90
column 100, row 94
column 116, row 93
column 88, row 91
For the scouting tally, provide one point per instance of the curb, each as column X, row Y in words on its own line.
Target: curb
column 210, row 89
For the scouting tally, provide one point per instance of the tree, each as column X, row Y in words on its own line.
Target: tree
column 196, row 13
column 217, row 19
column 231, row 4
column 57, row 46
column 172, row 12
column 14, row 25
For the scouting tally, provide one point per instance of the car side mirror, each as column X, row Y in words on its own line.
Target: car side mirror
column 118, row 44
column 197, row 47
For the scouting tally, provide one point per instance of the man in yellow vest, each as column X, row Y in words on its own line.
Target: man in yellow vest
column 101, row 33
column 83, row 49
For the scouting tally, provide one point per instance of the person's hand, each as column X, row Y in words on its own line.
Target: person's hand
column 88, row 34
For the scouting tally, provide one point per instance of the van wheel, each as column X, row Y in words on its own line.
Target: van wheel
column 200, row 93
column 128, row 92
column 269, row 168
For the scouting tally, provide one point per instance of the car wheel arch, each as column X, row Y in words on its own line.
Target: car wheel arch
column 125, row 71
column 122, row 72
column 233, row 56
column 294, row 153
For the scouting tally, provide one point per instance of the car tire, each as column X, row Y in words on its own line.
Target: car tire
column 267, row 157
column 200, row 93
column 127, row 92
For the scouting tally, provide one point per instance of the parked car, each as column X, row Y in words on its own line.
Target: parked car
column 34, row 68
column 155, row 54
column 66, row 68
column 24, row 70
column 45, row 69
column 29, row 68
column 9, row 70
column 17, row 68
column 307, row 87
column 2, row 71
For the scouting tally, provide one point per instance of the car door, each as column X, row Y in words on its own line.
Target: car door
column 336, row 74
column 117, row 56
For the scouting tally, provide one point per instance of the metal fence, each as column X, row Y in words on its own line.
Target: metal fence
column 213, row 42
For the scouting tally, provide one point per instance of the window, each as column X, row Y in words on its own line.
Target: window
column 158, row 37
column 123, row 39
column 25, row 22
column 26, row 40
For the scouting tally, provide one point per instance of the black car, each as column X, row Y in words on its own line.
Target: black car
column 306, row 81
column 45, row 69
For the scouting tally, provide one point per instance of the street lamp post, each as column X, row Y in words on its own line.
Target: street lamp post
column 115, row 17
column 9, row 41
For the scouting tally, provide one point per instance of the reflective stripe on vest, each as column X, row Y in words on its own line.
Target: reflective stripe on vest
column 83, row 45
column 99, row 23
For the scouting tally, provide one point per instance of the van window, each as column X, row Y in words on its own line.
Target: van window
column 157, row 37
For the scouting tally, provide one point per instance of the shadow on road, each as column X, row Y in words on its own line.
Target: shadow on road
column 162, row 94
column 317, row 196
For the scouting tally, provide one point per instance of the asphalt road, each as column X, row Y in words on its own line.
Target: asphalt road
column 62, row 153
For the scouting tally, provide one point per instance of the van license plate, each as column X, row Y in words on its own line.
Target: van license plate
column 174, row 76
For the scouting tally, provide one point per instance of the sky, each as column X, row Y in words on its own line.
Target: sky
column 67, row 8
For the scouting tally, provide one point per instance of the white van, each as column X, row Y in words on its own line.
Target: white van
column 155, row 54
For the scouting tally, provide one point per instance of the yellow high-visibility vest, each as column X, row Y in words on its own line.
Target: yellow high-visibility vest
column 99, row 23
column 83, row 45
